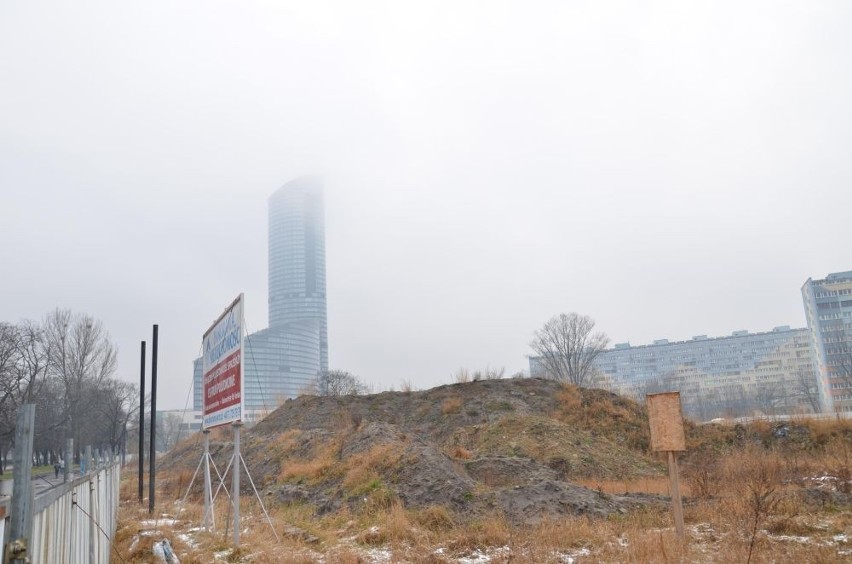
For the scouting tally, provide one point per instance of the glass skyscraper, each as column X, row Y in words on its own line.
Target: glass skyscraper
column 284, row 359
column 297, row 258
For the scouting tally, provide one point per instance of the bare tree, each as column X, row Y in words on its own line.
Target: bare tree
column 567, row 348
column 8, row 403
column 116, row 405
column 768, row 397
column 82, row 358
column 806, row 389
column 339, row 383
column 33, row 357
column 168, row 430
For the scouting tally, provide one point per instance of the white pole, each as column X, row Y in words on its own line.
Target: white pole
column 208, row 490
column 235, row 485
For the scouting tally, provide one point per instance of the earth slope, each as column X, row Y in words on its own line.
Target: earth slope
column 513, row 446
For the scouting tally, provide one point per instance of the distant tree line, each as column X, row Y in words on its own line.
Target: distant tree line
column 65, row 365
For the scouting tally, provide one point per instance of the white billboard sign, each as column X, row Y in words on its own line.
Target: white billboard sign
column 222, row 368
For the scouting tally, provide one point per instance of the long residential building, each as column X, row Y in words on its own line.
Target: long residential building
column 828, row 309
column 741, row 374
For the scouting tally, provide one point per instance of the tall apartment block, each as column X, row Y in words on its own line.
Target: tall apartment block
column 284, row 359
column 738, row 375
column 828, row 308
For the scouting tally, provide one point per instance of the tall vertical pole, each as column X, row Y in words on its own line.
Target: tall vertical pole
column 208, row 490
column 88, row 455
column 142, row 424
column 152, row 454
column 235, row 484
column 21, row 527
column 69, row 459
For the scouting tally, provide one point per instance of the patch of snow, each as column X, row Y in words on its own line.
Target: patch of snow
column 379, row 555
column 569, row 557
column 484, row 556
column 477, row 557
column 840, row 538
column 158, row 522
column 188, row 540
column 792, row 538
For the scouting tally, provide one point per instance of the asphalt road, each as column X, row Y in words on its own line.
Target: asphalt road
column 42, row 483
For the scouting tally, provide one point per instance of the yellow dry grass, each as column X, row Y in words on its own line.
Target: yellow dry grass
column 748, row 504
column 451, row 405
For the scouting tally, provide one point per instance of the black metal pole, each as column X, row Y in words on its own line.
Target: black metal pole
column 152, row 455
column 142, row 424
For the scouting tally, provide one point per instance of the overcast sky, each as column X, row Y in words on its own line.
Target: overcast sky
column 668, row 168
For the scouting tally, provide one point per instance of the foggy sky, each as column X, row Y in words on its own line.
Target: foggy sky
column 668, row 168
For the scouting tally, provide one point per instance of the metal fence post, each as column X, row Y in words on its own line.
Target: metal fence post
column 92, row 514
column 21, row 527
column 69, row 459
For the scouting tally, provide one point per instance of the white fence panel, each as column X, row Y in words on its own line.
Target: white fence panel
column 74, row 523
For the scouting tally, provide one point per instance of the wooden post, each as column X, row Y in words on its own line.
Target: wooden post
column 674, row 483
column 21, row 526
column 667, row 435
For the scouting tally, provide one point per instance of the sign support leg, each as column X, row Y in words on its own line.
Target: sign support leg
column 235, row 484
column 208, row 490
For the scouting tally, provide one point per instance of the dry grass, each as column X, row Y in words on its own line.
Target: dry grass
column 617, row 418
column 312, row 470
column 460, row 453
column 747, row 503
column 363, row 469
column 451, row 405
column 651, row 485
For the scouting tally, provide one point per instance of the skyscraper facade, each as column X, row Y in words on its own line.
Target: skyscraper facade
column 297, row 258
column 284, row 359
column 828, row 308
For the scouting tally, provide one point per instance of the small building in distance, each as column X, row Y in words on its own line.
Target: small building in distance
column 828, row 309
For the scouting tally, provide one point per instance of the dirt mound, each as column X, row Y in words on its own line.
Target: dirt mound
column 499, row 445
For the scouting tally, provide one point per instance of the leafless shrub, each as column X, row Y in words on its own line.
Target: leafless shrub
column 462, row 376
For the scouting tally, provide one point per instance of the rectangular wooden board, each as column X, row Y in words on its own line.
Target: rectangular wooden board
column 666, row 419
